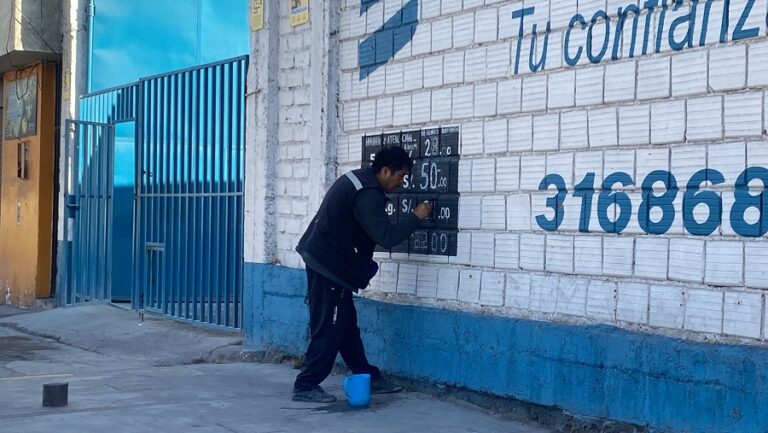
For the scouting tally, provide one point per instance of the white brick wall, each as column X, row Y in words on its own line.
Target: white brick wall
column 677, row 111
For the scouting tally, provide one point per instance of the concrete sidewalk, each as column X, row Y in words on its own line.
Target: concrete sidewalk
column 127, row 376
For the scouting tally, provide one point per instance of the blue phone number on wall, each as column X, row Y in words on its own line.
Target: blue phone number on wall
column 662, row 199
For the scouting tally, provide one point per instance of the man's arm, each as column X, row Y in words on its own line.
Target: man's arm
column 369, row 211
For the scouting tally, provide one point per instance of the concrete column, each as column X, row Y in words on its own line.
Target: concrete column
column 261, row 140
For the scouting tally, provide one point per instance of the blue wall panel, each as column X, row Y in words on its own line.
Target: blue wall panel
column 596, row 371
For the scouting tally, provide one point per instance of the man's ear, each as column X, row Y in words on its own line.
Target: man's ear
column 386, row 172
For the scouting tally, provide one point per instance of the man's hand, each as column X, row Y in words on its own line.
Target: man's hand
column 423, row 210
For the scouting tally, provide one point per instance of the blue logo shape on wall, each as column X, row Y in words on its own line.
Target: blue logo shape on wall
column 377, row 49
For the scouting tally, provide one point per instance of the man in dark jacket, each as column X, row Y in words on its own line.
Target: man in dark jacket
column 337, row 249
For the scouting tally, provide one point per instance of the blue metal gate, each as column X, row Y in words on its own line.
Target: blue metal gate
column 189, row 188
column 187, row 248
column 87, row 226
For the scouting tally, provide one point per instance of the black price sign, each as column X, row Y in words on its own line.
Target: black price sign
column 392, row 140
column 433, row 178
column 447, row 211
column 430, row 143
column 449, row 141
column 432, row 175
column 409, row 141
column 372, row 144
column 433, row 242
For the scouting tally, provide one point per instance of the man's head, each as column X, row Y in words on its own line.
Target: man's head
column 391, row 165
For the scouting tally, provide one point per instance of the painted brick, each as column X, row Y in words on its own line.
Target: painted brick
column 463, row 102
column 519, row 212
column 562, row 164
column 651, row 258
column 494, row 213
column 450, row 6
column 616, row 161
column 559, row 254
column 620, row 81
column 634, row 125
column 441, row 104
column 483, row 175
column 601, row 300
column 377, row 83
column 572, row 296
column 469, row 285
column 430, row 9
column 498, row 61
column 690, row 75
column 426, row 286
column 744, row 115
column 603, row 127
column 508, row 174
column 482, row 249
column 742, row 313
column 448, row 284
column 561, row 14
column 532, row 169
column 402, row 115
column 368, row 113
column 546, row 132
column 705, row 118
column 441, row 34
column 756, row 264
column 486, row 25
column 420, row 107
column 463, row 30
column 433, row 71
column 725, row 263
column 573, row 130
column 666, row 307
column 453, row 68
column 632, row 302
column 463, row 248
column 384, row 112
column 510, row 96
column 422, row 39
column 686, row 260
column 507, row 251
column 758, row 64
column 413, row 73
column 589, row 85
column 619, row 257
column 727, row 67
column 387, row 277
column 562, row 89
column 521, row 134
column 394, row 78
column 518, row 291
column 686, row 161
column 474, row 65
column 485, row 100
column 407, row 279
column 654, row 78
column 555, row 61
column 351, row 116
column 757, row 154
column 668, row 122
column 729, row 159
column 506, row 31
column 704, row 310
column 652, row 159
column 469, row 211
column 532, row 252
column 472, row 138
column 465, row 176
column 471, row 4
column 492, row 289
column 544, row 293
column 535, row 93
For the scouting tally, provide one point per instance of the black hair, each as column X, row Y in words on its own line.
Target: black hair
column 394, row 158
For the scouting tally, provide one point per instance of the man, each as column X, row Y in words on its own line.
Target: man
column 337, row 249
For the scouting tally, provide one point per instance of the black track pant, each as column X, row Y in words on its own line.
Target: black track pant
column 333, row 328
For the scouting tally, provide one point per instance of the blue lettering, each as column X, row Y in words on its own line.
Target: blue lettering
column 535, row 67
column 665, row 202
column 660, row 30
column 572, row 61
column 650, row 5
column 745, row 200
column 705, row 23
column 585, row 190
column 623, row 14
column 555, row 203
column 711, row 199
column 620, row 199
column 690, row 19
column 726, row 23
column 521, row 13
column 739, row 33
column 598, row 15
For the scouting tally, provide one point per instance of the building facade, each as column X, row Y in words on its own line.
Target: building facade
column 611, row 195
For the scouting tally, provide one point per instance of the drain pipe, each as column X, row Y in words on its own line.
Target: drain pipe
column 91, row 12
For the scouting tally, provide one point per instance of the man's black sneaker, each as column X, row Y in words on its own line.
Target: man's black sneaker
column 383, row 386
column 316, row 395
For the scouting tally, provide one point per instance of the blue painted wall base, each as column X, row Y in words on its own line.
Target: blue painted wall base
column 593, row 371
